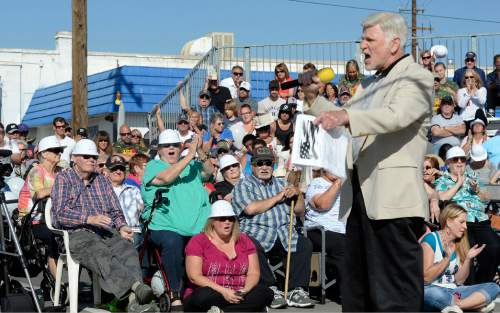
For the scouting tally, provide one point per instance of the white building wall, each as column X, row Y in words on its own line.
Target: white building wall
column 22, row 71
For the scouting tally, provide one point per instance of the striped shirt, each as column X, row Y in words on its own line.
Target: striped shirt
column 268, row 226
column 73, row 201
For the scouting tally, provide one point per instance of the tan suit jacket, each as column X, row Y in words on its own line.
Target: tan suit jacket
column 393, row 131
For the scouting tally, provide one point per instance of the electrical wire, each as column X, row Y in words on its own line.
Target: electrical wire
column 380, row 10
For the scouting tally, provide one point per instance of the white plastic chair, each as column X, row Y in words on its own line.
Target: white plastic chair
column 73, row 269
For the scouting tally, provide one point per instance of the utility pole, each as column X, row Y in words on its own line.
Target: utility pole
column 79, row 64
column 414, row 12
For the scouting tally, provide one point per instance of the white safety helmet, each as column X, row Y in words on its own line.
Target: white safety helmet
column 85, row 147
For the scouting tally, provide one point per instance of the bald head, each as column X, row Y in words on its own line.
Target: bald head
column 125, row 134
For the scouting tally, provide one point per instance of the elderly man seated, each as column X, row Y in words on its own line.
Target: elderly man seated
column 84, row 204
column 262, row 203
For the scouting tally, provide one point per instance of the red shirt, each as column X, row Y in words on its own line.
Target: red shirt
column 216, row 266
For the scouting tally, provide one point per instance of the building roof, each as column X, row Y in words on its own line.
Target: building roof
column 140, row 87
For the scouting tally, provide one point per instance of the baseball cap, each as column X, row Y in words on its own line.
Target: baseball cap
column 477, row 121
column 245, row 85
column 285, row 107
column 262, row 154
column 344, row 90
column 273, row 84
column 221, row 208
column 447, row 99
column 82, row 132
column 478, row 153
column 23, row 128
column 168, row 136
column 116, row 161
column 85, row 147
column 470, row 55
column 455, row 152
column 204, row 93
column 11, row 128
column 49, row 142
column 182, row 117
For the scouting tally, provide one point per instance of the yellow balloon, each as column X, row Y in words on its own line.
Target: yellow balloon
column 326, row 75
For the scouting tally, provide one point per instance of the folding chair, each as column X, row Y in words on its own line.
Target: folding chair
column 73, row 268
column 318, row 265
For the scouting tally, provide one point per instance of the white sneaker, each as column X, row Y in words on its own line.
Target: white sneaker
column 215, row 309
column 452, row 309
column 489, row 308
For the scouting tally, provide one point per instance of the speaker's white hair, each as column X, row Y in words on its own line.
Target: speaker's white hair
column 393, row 25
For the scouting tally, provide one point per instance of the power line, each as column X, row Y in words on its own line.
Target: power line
column 380, row 10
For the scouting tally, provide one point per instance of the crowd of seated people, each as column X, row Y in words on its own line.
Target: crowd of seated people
column 226, row 201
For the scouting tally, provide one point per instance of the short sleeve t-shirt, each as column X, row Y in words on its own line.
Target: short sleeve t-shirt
column 441, row 121
column 219, row 99
column 217, row 266
column 269, row 106
column 492, row 146
column 184, row 208
column 225, row 135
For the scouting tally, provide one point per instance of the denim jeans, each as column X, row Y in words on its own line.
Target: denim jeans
column 437, row 298
column 171, row 247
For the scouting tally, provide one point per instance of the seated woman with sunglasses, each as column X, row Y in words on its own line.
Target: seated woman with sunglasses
column 471, row 97
column 459, row 186
column 431, row 173
column 38, row 185
column 223, row 267
column 136, row 139
column 184, row 207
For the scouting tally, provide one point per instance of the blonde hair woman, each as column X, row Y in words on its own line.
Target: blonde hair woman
column 223, row 267
column 447, row 261
column 472, row 96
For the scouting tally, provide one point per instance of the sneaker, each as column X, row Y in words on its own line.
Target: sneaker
column 215, row 309
column 144, row 294
column 452, row 309
column 135, row 307
column 299, row 298
column 279, row 298
column 489, row 308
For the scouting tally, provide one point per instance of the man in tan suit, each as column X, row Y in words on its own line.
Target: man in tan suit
column 386, row 118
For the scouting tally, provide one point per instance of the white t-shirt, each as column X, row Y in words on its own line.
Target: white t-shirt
column 186, row 137
column 238, row 133
column 229, row 84
column 328, row 219
column 267, row 105
column 69, row 143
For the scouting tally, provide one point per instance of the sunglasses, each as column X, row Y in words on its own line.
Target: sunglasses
column 470, row 60
column 262, row 163
column 103, row 140
column 136, row 136
column 279, row 71
column 117, row 168
column 93, row 157
column 101, row 165
column 427, row 167
column 461, row 159
column 235, row 165
column 59, row 127
column 168, row 145
column 55, row 150
column 469, row 77
column 225, row 218
column 426, row 58
column 125, row 134
column 183, row 122
column 237, row 74
column 205, row 97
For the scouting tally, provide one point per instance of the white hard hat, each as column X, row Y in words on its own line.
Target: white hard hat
column 227, row 160
column 49, row 142
column 221, row 208
column 85, row 147
column 455, row 152
column 478, row 153
column 169, row 136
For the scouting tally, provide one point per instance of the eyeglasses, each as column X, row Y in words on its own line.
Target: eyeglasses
column 237, row 74
column 470, row 60
column 136, row 136
column 235, row 165
column 205, row 97
column 103, row 140
column 279, row 71
column 168, row 145
column 125, row 134
column 225, row 218
column 426, row 58
column 118, row 168
column 55, row 150
column 86, row 157
column 461, row 159
column 469, row 77
column 262, row 163
column 245, row 113
column 59, row 126
column 220, row 124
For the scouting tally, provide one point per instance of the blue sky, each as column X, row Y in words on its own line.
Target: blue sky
column 163, row 26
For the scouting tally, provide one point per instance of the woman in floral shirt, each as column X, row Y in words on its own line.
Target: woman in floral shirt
column 461, row 187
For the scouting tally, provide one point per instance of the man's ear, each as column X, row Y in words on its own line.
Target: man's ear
column 395, row 42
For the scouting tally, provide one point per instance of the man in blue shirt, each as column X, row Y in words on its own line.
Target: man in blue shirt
column 470, row 63
column 492, row 146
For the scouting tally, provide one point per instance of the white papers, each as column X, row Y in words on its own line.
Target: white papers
column 314, row 146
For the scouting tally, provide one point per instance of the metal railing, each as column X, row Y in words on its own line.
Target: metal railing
column 259, row 62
